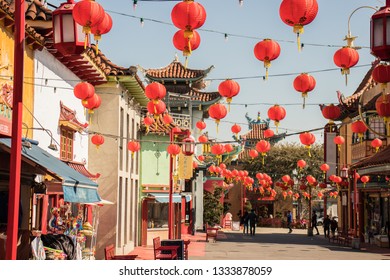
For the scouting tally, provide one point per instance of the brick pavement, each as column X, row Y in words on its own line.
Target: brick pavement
column 271, row 244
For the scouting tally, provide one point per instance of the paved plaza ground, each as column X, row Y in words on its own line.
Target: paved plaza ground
column 272, row 244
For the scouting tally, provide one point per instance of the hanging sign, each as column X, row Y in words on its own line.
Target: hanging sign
column 185, row 166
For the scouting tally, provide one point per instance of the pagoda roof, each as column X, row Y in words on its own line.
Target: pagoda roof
column 175, row 71
column 377, row 164
column 257, row 132
column 68, row 118
column 349, row 105
column 196, row 96
column 158, row 127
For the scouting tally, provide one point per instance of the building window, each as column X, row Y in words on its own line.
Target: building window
column 66, row 143
column 376, row 124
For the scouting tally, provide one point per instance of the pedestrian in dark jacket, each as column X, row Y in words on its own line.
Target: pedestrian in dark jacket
column 252, row 217
column 245, row 221
column 314, row 222
column 326, row 226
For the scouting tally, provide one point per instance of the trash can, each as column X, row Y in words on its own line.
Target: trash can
column 175, row 242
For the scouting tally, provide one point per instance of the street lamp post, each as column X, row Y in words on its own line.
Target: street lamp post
column 187, row 147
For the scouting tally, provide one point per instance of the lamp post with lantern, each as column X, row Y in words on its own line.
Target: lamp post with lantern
column 187, row 148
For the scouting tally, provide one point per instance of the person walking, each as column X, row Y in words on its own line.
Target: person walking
column 333, row 226
column 314, row 222
column 245, row 222
column 289, row 221
column 326, row 226
column 252, row 217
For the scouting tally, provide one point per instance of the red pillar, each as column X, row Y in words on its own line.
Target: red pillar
column 170, row 204
column 16, row 141
column 355, row 206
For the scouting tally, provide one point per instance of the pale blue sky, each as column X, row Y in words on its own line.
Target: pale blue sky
column 151, row 46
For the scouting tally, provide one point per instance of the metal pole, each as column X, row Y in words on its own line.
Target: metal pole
column 16, row 140
column 355, row 202
column 170, row 204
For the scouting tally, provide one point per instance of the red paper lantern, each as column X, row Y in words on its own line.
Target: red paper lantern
column 188, row 15
column 268, row 133
column 307, row 139
column 304, row 83
column 253, row 153
column 228, row 89
column 200, row 125
column 381, row 74
column 97, row 140
column 236, row 129
column 156, row 108
column 84, row 90
column 376, row 143
column 310, row 179
column 298, row 13
column 286, row 178
column 267, row 51
column 276, row 113
column 382, row 106
column 218, row 150
column 88, row 14
column 186, row 45
column 155, row 91
column 301, row 163
column 203, row 139
column 331, row 112
column 201, row 157
column 167, row 119
column 148, row 121
column 217, row 112
column 365, row 180
column 339, row 140
column 263, row 147
column 92, row 103
column 345, row 58
column 133, row 147
column 359, row 127
column 102, row 28
column 324, row 167
column 173, row 149
column 229, row 148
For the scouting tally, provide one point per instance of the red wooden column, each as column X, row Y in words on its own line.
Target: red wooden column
column 16, row 141
column 144, row 222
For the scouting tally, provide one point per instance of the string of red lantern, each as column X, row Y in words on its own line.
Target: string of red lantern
column 217, row 112
column 236, row 129
column 307, row 139
column 376, row 143
column 88, row 14
column 133, row 147
column 97, row 140
column 304, row 83
column 263, row 147
column 298, row 13
column 381, row 75
column 331, row 112
column 339, row 140
column 345, row 58
column 200, row 125
column 102, row 28
column 276, row 113
column 267, row 51
column 359, row 127
column 228, row 89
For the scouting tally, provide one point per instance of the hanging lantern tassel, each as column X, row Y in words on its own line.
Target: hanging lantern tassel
column 299, row 30
column 200, row 107
column 345, row 72
column 217, row 122
column 229, row 100
column 304, row 95
column 267, row 64
column 339, row 147
column 308, row 149
column 277, row 125
column 263, row 156
column 86, row 30
column 97, row 39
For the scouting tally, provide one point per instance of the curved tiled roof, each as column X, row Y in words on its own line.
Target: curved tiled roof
column 36, row 11
column 68, row 117
column 175, row 70
column 349, row 105
column 379, row 159
column 33, row 38
column 80, row 167
column 159, row 127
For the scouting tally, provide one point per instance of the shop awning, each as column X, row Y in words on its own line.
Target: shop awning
column 164, row 197
column 77, row 188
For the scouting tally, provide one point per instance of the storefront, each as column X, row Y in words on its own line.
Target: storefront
column 57, row 202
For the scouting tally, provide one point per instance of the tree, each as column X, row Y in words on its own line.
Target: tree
column 213, row 208
column 282, row 160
